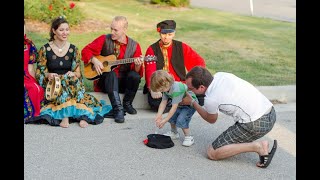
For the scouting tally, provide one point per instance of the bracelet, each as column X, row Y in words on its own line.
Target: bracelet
column 191, row 104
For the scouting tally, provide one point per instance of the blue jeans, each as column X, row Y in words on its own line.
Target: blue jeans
column 182, row 117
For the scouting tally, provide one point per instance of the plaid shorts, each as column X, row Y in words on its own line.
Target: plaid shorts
column 246, row 132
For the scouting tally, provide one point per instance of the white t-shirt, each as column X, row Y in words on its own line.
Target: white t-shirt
column 235, row 97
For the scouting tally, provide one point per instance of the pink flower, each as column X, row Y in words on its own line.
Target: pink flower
column 72, row 5
column 158, row 29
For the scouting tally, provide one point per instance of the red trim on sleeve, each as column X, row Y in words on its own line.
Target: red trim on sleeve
column 149, row 67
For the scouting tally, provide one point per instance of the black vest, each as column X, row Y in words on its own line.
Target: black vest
column 108, row 49
column 177, row 59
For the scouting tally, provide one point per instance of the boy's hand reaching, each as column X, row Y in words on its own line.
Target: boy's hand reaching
column 160, row 123
column 158, row 119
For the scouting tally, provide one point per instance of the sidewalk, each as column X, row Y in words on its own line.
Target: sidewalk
column 279, row 94
column 115, row 151
column 284, row 10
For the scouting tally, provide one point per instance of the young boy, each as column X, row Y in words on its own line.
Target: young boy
column 179, row 115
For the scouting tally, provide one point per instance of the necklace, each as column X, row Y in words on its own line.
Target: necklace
column 60, row 48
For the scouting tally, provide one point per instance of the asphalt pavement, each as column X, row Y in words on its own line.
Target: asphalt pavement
column 283, row 10
column 116, row 151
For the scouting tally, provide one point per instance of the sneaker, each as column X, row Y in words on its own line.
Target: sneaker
column 188, row 141
column 172, row 135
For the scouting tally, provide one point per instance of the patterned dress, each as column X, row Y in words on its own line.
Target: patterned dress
column 72, row 101
column 33, row 93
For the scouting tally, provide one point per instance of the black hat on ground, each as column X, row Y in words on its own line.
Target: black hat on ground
column 166, row 26
column 159, row 141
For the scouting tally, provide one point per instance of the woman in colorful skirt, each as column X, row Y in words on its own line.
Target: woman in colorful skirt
column 59, row 59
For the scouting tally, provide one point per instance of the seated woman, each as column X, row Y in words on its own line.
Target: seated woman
column 60, row 58
column 33, row 93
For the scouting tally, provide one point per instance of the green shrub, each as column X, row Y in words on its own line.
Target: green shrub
column 47, row 10
column 175, row 3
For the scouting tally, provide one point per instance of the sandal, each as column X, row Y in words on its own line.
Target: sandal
column 266, row 159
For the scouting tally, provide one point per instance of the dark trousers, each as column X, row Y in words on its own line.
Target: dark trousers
column 128, row 84
column 109, row 82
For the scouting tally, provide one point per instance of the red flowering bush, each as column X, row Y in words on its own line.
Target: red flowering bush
column 47, row 10
column 71, row 5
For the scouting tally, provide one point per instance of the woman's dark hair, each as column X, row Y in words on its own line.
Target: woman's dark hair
column 55, row 25
column 200, row 76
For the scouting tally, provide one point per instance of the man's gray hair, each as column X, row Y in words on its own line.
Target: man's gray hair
column 122, row 19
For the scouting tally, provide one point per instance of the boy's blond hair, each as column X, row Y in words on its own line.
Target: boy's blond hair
column 161, row 79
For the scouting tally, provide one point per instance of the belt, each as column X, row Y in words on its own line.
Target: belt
column 53, row 88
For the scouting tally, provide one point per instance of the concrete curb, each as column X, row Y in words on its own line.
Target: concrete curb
column 282, row 94
column 276, row 94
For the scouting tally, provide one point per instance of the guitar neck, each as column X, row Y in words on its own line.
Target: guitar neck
column 121, row 61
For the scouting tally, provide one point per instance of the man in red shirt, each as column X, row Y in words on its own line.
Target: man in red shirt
column 173, row 56
column 124, row 78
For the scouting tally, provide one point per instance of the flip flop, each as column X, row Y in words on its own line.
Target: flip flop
column 266, row 159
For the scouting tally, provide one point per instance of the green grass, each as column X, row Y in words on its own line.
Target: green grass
column 259, row 50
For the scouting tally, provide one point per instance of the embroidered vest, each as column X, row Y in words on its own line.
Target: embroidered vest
column 177, row 59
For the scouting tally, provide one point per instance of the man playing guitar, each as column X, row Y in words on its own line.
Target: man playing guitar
column 124, row 78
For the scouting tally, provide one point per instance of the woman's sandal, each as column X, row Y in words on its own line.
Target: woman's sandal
column 266, row 159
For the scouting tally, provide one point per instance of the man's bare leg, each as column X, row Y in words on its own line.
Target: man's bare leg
column 260, row 147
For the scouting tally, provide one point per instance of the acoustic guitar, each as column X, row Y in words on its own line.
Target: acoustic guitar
column 109, row 63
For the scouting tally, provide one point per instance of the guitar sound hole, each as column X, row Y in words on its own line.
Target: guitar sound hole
column 105, row 64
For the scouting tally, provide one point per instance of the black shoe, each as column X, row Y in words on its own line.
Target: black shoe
column 117, row 108
column 128, row 108
column 127, row 101
column 118, row 116
column 119, row 120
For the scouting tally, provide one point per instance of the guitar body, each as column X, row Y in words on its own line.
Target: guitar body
column 89, row 70
column 109, row 62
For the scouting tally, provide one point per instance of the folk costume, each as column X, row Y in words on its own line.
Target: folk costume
column 122, row 78
column 73, row 101
column 33, row 93
column 178, row 58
